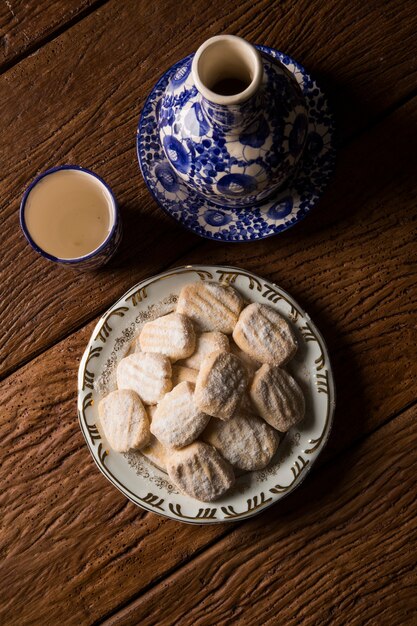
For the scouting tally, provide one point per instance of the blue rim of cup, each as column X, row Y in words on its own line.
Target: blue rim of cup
column 51, row 257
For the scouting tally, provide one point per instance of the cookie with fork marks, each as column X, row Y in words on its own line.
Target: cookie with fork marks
column 148, row 374
column 177, row 421
column 265, row 335
column 124, row 420
column 211, row 306
column 221, row 383
column 199, row 471
column 246, row 441
column 277, row 397
column 172, row 335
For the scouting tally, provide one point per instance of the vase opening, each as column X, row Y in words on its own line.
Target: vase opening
column 227, row 70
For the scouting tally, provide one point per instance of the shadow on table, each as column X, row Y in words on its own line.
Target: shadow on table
column 368, row 167
column 150, row 236
column 351, row 115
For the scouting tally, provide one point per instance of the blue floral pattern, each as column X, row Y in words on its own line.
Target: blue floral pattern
column 259, row 140
column 262, row 217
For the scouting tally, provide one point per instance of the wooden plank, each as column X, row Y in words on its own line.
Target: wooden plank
column 78, row 99
column 58, row 503
column 24, row 26
column 342, row 551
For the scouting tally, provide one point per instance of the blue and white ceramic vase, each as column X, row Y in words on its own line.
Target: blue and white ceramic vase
column 233, row 123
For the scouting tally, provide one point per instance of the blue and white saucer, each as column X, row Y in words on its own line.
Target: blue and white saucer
column 286, row 207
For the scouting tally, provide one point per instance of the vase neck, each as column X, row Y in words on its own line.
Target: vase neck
column 227, row 72
column 231, row 118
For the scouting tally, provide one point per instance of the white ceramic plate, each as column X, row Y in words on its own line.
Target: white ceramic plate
column 140, row 480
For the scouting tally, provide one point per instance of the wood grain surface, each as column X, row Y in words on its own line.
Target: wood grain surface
column 341, row 549
column 85, row 98
column 26, row 26
column 339, row 553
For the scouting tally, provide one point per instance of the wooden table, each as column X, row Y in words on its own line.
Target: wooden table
column 342, row 548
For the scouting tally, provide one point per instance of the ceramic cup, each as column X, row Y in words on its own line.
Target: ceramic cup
column 103, row 251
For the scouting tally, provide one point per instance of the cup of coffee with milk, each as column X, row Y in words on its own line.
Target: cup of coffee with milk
column 69, row 215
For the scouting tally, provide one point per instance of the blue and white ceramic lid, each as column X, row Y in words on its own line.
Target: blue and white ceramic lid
column 289, row 205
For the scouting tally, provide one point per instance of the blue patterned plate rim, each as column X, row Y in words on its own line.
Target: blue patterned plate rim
column 288, row 206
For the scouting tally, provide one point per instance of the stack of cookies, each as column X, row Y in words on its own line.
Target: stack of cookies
column 205, row 392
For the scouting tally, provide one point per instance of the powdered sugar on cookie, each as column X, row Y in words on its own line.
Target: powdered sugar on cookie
column 177, row 421
column 211, row 306
column 124, row 420
column 148, row 374
column 172, row 335
column 221, row 383
column 265, row 335
column 277, row 397
column 199, row 471
column 206, row 343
